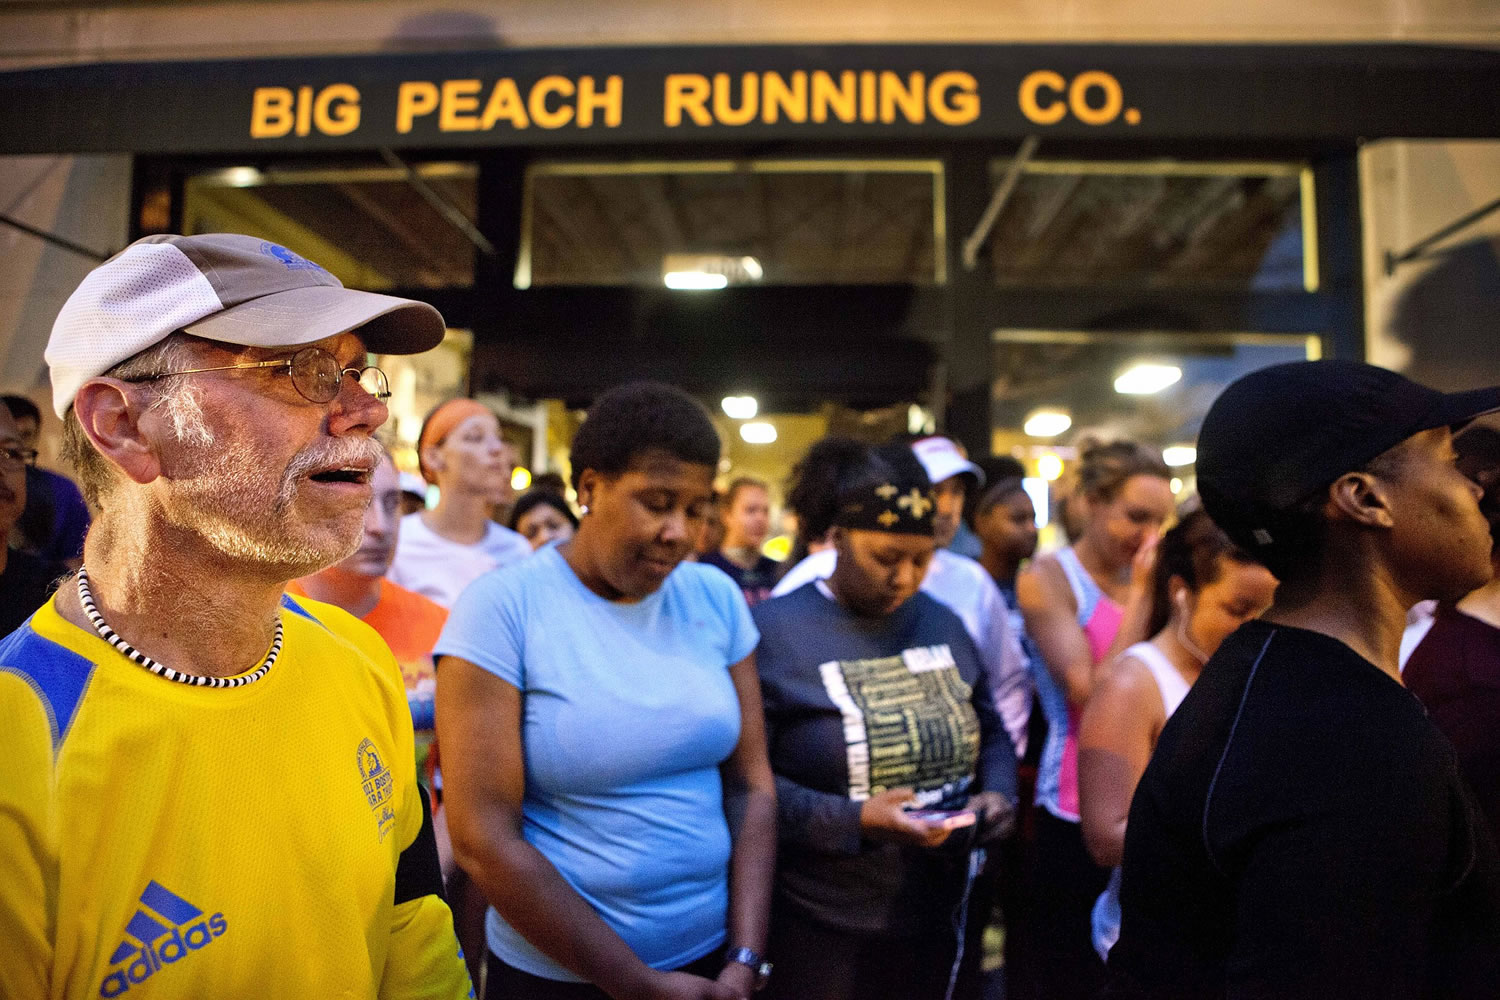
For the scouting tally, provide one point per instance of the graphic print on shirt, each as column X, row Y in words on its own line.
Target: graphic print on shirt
column 378, row 785
column 908, row 723
column 165, row 929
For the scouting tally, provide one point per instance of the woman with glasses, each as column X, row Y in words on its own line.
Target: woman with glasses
column 444, row 549
column 601, row 721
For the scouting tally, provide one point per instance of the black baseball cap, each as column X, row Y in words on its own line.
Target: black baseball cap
column 1276, row 436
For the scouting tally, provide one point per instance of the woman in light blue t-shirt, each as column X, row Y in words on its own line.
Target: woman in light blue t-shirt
column 599, row 709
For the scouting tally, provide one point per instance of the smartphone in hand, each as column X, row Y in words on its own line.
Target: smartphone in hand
column 945, row 819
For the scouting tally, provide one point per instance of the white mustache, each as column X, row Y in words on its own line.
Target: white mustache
column 333, row 454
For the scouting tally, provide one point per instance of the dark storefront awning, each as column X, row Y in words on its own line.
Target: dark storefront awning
column 754, row 93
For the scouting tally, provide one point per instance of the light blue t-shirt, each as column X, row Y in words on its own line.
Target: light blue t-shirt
column 628, row 712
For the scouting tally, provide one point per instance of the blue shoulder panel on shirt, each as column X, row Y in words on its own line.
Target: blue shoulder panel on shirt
column 58, row 675
column 291, row 605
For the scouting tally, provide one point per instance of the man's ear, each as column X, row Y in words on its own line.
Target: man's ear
column 110, row 412
column 1362, row 498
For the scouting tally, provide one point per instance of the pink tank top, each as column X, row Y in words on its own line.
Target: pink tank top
column 1100, row 617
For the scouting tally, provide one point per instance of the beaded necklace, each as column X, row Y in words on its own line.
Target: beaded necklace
column 109, row 635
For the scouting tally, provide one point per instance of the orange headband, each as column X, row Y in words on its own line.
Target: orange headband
column 441, row 423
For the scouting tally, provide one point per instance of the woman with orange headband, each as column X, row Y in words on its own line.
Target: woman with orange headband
column 442, row 550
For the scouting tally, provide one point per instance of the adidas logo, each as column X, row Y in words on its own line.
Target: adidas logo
column 155, row 944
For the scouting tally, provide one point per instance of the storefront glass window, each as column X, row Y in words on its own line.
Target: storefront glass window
column 713, row 224
column 1156, row 224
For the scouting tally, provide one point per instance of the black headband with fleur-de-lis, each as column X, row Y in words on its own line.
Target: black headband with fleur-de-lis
column 899, row 508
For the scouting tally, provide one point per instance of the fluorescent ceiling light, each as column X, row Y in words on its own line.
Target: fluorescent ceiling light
column 752, row 268
column 1144, row 379
column 694, row 280
column 1179, row 454
column 740, row 407
column 1176, row 485
column 1049, row 467
column 1047, row 423
column 758, row 432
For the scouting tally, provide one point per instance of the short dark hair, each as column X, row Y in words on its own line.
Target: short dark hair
column 835, row 467
column 1001, row 491
column 1191, row 551
column 534, row 498
column 21, row 407
column 638, row 417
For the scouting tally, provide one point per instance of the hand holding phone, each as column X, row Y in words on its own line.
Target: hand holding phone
column 944, row 819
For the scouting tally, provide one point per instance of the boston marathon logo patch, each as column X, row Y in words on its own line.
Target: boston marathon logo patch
column 165, row 930
column 292, row 261
column 378, row 784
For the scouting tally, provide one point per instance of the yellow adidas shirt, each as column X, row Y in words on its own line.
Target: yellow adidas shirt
column 165, row 841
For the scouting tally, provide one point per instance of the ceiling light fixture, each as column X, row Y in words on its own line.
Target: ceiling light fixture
column 1047, row 423
column 740, row 407
column 758, row 432
column 1146, row 378
column 1179, row 454
column 695, row 281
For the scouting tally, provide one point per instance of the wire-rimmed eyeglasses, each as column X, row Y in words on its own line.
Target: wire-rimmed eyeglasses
column 316, row 374
column 17, row 458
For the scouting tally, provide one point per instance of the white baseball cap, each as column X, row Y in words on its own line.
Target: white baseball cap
column 942, row 460
column 235, row 289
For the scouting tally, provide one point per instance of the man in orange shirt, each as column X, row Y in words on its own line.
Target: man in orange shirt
column 408, row 622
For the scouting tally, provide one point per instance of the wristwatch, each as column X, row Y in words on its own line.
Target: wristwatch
column 757, row 963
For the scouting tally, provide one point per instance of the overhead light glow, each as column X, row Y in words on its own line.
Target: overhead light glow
column 740, row 407
column 1179, row 454
column 758, row 432
column 520, row 478
column 1146, row 378
column 694, row 280
column 1040, row 501
column 1176, row 485
column 240, row 177
column 1049, row 467
column 1047, row 423
column 752, row 267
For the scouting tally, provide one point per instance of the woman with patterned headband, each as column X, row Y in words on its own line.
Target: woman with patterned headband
column 891, row 764
column 441, row 551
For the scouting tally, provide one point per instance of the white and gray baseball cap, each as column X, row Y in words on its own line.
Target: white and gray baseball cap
column 235, row 289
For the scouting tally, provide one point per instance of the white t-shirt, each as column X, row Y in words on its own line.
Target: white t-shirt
column 439, row 569
column 965, row 587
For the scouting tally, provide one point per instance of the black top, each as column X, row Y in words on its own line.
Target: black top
column 756, row 582
column 855, row 706
column 25, row 585
column 1302, row 831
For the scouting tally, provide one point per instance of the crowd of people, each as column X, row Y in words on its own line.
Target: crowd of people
column 592, row 742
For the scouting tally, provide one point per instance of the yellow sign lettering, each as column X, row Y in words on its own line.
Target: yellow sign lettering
column 505, row 102
column 336, row 109
column 460, row 101
column 414, row 99
column 1031, row 106
column 686, row 92
column 954, row 98
column 910, row 97
column 777, row 98
column 612, row 101
column 725, row 112
column 1078, row 98
column 536, row 103
column 838, row 98
column 270, row 112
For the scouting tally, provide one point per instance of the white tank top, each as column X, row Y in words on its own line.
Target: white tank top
column 1168, row 681
column 1173, row 688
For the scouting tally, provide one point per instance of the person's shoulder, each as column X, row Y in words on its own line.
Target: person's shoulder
column 814, row 566
column 506, row 543
column 43, row 680
column 310, row 620
column 703, row 578
column 416, row 613
column 799, row 603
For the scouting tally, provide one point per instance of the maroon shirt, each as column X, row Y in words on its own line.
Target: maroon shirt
column 1455, row 671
